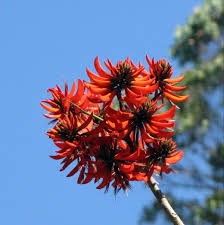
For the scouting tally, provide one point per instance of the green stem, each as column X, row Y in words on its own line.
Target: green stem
column 87, row 113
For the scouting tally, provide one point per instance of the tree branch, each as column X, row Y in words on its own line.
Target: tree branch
column 164, row 202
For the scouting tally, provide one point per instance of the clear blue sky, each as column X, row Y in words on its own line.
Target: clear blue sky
column 43, row 43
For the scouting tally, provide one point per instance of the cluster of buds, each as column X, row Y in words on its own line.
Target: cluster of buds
column 110, row 127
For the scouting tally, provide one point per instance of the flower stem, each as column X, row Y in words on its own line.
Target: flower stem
column 156, row 96
column 173, row 216
column 87, row 113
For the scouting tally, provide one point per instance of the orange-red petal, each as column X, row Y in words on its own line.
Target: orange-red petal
column 174, row 97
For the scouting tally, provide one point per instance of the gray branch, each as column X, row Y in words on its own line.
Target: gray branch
column 164, row 202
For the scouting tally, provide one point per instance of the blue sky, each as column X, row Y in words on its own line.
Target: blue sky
column 44, row 43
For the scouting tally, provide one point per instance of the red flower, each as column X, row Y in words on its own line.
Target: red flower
column 69, row 128
column 106, row 166
column 121, row 77
column 60, row 103
column 111, row 146
column 139, row 158
column 151, row 158
column 163, row 154
column 70, row 136
column 71, row 151
column 162, row 71
column 142, row 120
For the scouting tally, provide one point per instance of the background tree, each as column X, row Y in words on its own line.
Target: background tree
column 199, row 48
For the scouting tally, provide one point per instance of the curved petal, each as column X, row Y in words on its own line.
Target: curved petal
column 67, row 163
column 74, row 171
column 72, row 90
column 53, row 104
column 103, row 183
column 166, row 134
column 131, row 94
column 143, row 82
column 175, row 98
column 175, row 80
column 62, row 155
column 174, row 88
column 130, row 157
column 151, row 130
column 94, row 78
column 50, row 109
column 148, row 60
column 138, row 72
column 162, row 124
column 79, row 92
column 87, row 179
column 53, row 116
column 81, row 175
column 175, row 158
column 113, row 68
column 126, row 168
column 165, row 115
column 108, row 97
column 146, row 137
column 100, row 70
column 85, row 124
column 144, row 90
column 97, row 90
column 66, row 89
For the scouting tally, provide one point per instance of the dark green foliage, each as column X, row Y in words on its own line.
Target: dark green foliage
column 204, row 27
column 200, row 123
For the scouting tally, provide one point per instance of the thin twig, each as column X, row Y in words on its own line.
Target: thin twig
column 87, row 113
column 164, row 202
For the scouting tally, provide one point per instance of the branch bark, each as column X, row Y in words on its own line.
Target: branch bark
column 164, row 202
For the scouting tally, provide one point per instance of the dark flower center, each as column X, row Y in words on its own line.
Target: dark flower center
column 160, row 154
column 123, row 77
column 65, row 133
column 58, row 101
column 166, row 70
column 107, row 155
column 143, row 114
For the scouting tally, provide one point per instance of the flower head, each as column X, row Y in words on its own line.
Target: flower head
column 107, row 167
column 122, row 77
column 70, row 129
column 142, row 120
column 116, row 145
column 163, row 153
column 162, row 71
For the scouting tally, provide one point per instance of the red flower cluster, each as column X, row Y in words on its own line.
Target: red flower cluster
column 121, row 141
